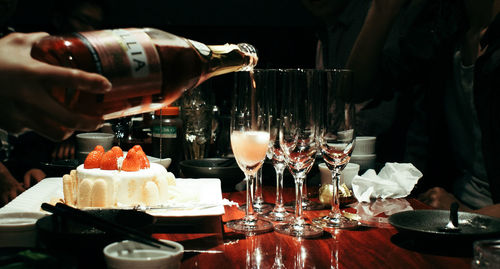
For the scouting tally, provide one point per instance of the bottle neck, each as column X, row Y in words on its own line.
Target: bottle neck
column 231, row 58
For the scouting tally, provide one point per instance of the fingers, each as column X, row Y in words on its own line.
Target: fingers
column 32, row 38
column 71, row 154
column 15, row 191
column 33, row 175
column 20, row 189
column 430, row 195
column 27, row 180
column 38, row 175
column 73, row 78
column 4, row 199
column 66, row 151
column 56, row 120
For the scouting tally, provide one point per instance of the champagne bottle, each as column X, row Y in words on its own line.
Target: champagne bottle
column 147, row 67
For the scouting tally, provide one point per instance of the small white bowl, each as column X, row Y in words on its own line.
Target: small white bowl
column 364, row 145
column 131, row 254
column 349, row 172
column 17, row 229
column 86, row 142
column 366, row 161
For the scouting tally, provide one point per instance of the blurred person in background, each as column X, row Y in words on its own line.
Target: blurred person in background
column 486, row 96
column 341, row 22
column 430, row 65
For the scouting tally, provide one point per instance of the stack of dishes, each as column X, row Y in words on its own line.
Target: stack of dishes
column 364, row 152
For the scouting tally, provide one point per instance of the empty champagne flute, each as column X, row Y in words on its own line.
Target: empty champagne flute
column 336, row 138
column 276, row 155
column 298, row 140
column 249, row 141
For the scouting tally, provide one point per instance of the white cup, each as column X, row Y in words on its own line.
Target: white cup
column 86, row 142
column 486, row 254
column 365, row 161
column 130, row 254
column 364, row 145
column 18, row 229
column 346, row 176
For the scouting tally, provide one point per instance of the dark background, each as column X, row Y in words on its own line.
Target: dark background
column 282, row 31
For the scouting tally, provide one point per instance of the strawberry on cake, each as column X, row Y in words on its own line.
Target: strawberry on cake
column 107, row 179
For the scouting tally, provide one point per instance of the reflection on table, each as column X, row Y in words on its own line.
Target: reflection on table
column 366, row 247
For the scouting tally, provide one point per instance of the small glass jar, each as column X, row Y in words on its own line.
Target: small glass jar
column 166, row 135
column 486, row 254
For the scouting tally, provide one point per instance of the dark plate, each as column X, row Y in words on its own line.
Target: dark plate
column 430, row 222
column 66, row 237
column 225, row 169
column 56, row 227
column 59, row 168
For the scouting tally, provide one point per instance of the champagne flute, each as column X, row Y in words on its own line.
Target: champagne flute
column 336, row 138
column 298, row 140
column 249, row 141
column 276, row 155
column 266, row 79
column 259, row 205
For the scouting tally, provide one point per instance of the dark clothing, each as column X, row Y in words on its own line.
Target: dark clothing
column 29, row 151
column 486, row 97
column 336, row 40
column 417, row 64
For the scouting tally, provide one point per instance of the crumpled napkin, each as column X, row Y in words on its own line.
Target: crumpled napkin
column 395, row 180
column 377, row 212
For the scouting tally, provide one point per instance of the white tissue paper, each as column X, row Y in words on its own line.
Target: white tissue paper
column 395, row 180
column 377, row 212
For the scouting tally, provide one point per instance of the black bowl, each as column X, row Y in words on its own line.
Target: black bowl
column 68, row 238
column 225, row 169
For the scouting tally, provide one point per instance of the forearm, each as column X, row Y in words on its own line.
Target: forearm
column 492, row 210
column 470, row 47
column 367, row 50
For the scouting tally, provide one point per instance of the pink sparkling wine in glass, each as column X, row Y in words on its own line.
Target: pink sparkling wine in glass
column 249, row 149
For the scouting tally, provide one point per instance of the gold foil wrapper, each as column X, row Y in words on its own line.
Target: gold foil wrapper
column 326, row 193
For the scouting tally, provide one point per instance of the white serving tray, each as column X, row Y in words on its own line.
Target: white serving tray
column 206, row 191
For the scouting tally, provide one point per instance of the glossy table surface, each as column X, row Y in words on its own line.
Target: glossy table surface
column 366, row 247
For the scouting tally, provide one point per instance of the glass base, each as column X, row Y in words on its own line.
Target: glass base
column 305, row 230
column 255, row 226
column 329, row 222
column 306, row 205
column 277, row 216
column 261, row 208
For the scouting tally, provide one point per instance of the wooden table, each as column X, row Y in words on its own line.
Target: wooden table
column 366, row 247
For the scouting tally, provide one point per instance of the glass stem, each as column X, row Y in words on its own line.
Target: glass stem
column 299, row 182
column 249, row 211
column 335, row 195
column 258, row 199
column 279, row 186
column 304, row 191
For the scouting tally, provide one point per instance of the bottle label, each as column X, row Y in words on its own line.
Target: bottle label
column 164, row 131
column 128, row 58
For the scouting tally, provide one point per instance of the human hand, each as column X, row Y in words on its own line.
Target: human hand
column 33, row 176
column 64, row 150
column 441, row 199
column 25, row 83
column 9, row 187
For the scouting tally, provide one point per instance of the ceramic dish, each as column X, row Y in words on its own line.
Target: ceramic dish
column 17, row 229
column 130, row 254
column 431, row 222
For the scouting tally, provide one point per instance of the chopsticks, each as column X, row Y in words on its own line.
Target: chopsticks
column 104, row 225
